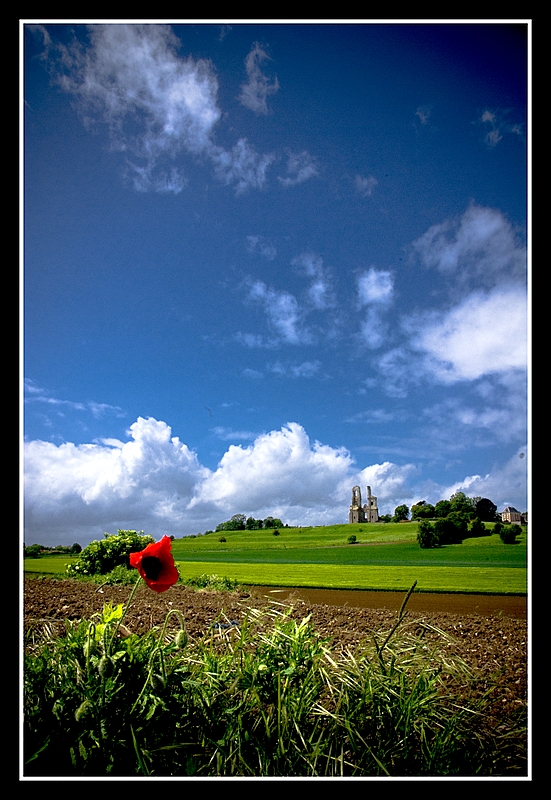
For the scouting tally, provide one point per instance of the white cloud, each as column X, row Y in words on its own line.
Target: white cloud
column 365, row 186
column 241, row 165
column 300, row 167
column 504, row 485
column 308, row 369
column 282, row 311
column 255, row 91
column 155, row 483
column 483, row 335
column 282, row 469
column 499, row 127
column 259, row 244
column 480, row 246
column 320, row 292
column 73, row 490
column 375, row 287
column 376, row 291
column 155, row 103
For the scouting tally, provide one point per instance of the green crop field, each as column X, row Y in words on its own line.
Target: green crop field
column 386, row 557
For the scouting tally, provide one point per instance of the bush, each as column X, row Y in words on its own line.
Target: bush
column 478, row 528
column 100, row 557
column 427, row 535
column 352, row 539
column 509, row 533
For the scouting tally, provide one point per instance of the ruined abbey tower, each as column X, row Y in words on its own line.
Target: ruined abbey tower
column 366, row 513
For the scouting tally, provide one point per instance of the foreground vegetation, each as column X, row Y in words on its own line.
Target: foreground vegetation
column 268, row 698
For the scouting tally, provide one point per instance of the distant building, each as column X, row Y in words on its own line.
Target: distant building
column 366, row 513
column 511, row 515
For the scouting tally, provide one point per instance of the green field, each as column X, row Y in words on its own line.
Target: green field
column 387, row 557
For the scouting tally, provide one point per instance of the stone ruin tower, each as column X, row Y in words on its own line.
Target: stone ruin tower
column 366, row 513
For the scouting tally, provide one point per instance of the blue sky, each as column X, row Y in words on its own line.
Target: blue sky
column 266, row 262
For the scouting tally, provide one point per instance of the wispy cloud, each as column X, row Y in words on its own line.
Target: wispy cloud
column 259, row 244
column 375, row 291
column 229, row 435
column 258, row 87
column 478, row 248
column 320, row 292
column 282, row 312
column 365, row 186
column 35, row 394
column 499, row 127
column 423, row 113
column 300, row 167
column 308, row 369
column 155, row 103
column 241, row 166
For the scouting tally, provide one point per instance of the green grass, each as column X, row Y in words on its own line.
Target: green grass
column 484, row 580
column 386, row 558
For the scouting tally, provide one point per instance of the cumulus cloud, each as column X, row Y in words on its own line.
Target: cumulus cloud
column 156, row 104
column 73, row 489
column 281, row 467
column 256, row 90
column 478, row 248
column 154, row 482
column 485, row 334
column 300, row 167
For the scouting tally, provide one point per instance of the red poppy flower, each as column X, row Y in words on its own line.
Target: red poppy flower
column 156, row 565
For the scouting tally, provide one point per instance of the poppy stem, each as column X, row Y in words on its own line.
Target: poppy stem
column 126, row 607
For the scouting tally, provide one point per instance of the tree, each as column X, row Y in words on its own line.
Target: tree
column 422, row 510
column 451, row 529
column 442, row 508
column 401, row 514
column 478, row 528
column 427, row 535
column 460, row 504
column 486, row 510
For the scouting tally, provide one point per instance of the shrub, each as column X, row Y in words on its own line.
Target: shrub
column 352, row 539
column 102, row 556
column 222, row 539
column 478, row 528
column 509, row 533
column 427, row 535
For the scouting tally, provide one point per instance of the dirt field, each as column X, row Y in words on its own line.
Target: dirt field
column 493, row 644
